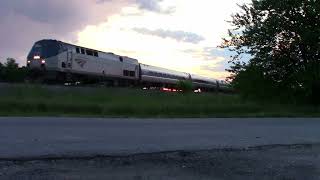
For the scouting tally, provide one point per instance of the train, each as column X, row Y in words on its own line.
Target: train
column 57, row 61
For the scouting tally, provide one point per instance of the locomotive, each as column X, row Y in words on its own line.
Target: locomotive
column 57, row 61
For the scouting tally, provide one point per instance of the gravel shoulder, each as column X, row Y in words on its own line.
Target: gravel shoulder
column 264, row 162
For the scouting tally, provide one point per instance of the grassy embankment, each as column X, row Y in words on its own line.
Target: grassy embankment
column 23, row 100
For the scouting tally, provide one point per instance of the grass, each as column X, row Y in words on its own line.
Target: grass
column 30, row 100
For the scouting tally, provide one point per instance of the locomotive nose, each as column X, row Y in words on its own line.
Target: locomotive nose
column 36, row 63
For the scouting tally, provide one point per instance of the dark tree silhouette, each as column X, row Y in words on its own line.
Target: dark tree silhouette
column 283, row 39
column 11, row 72
column 1, row 71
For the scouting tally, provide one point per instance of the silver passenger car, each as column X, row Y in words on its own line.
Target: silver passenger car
column 157, row 75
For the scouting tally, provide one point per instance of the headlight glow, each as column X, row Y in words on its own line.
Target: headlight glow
column 36, row 57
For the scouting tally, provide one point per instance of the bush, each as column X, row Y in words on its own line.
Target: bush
column 185, row 86
column 11, row 72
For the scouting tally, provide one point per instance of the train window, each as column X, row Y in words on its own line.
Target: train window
column 200, row 81
column 77, row 50
column 95, row 53
column 125, row 72
column 63, row 65
column 82, row 51
column 121, row 58
column 132, row 73
column 89, row 52
column 45, row 48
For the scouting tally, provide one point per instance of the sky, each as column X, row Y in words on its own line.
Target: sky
column 181, row 35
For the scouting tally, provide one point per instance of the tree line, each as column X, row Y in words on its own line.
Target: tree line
column 11, row 72
column 282, row 38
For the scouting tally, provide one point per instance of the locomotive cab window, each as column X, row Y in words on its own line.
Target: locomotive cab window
column 121, row 59
column 125, row 72
column 77, row 50
column 132, row 73
column 95, row 53
column 45, row 49
column 82, row 51
column 89, row 53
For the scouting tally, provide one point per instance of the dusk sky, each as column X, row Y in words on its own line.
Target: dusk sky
column 176, row 34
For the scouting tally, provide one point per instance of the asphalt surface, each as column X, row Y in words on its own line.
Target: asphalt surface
column 42, row 138
column 281, row 162
column 158, row 149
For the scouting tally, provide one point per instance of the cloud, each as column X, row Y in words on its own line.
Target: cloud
column 25, row 21
column 212, row 61
column 151, row 5
column 216, row 63
column 148, row 5
column 219, row 67
column 216, row 71
column 154, row 6
column 215, row 68
column 72, row 14
column 181, row 36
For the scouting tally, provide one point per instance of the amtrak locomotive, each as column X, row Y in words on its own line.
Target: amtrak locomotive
column 52, row 60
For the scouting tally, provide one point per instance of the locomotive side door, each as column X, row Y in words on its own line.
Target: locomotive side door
column 137, row 75
column 69, row 59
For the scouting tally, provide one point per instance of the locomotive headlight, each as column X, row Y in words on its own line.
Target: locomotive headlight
column 28, row 61
column 43, row 61
column 36, row 57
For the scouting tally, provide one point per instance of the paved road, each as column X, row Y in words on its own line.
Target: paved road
column 82, row 137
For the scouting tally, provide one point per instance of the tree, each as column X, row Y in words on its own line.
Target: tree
column 11, row 64
column 185, row 85
column 282, row 38
column 1, row 71
column 11, row 72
